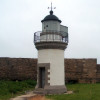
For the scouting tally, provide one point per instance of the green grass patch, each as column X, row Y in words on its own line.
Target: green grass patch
column 9, row 89
column 81, row 92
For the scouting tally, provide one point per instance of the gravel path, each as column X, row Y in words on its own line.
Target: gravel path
column 31, row 94
column 24, row 97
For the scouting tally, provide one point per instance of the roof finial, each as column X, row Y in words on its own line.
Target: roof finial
column 51, row 6
column 51, row 12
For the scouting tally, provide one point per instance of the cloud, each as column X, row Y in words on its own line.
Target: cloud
column 19, row 19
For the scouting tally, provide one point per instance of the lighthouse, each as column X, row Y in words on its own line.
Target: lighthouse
column 51, row 43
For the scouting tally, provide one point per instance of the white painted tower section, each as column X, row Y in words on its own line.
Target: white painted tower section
column 56, row 59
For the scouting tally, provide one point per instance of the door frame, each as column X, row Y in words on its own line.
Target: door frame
column 42, row 77
column 47, row 73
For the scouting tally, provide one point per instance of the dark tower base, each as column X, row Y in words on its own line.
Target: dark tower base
column 51, row 90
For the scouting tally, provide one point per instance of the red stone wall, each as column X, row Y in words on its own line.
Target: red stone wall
column 18, row 68
column 78, row 70
column 98, row 73
column 81, row 70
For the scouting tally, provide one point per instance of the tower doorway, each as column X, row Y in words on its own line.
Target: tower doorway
column 42, row 77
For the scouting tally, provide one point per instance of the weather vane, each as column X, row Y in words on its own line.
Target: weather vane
column 51, row 7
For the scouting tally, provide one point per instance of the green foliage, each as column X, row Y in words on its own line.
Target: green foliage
column 9, row 89
column 81, row 92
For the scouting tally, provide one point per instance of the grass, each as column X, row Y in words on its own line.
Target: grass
column 9, row 89
column 81, row 92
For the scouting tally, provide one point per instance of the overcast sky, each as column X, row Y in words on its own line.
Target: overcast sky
column 19, row 19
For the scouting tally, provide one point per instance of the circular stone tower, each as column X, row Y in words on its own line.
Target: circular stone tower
column 51, row 43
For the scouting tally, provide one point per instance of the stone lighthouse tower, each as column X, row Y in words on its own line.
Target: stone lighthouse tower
column 51, row 43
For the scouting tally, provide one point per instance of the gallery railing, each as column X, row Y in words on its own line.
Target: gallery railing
column 50, row 36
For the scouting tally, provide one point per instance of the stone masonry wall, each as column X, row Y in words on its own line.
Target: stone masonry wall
column 18, row 68
column 98, row 73
column 81, row 70
column 77, row 70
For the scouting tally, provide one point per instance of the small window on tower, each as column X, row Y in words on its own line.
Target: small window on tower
column 46, row 25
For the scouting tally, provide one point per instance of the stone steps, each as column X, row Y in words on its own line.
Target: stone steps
column 39, row 91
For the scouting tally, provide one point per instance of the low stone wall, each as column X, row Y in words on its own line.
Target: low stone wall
column 81, row 70
column 76, row 70
column 18, row 68
column 98, row 73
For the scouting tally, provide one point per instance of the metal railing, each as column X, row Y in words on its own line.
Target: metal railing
column 50, row 36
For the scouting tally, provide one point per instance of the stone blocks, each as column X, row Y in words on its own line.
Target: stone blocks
column 76, row 70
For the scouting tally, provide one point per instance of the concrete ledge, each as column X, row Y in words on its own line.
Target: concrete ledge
column 51, row 45
column 51, row 90
column 55, row 89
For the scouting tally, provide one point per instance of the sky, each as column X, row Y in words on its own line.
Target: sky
column 20, row 19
